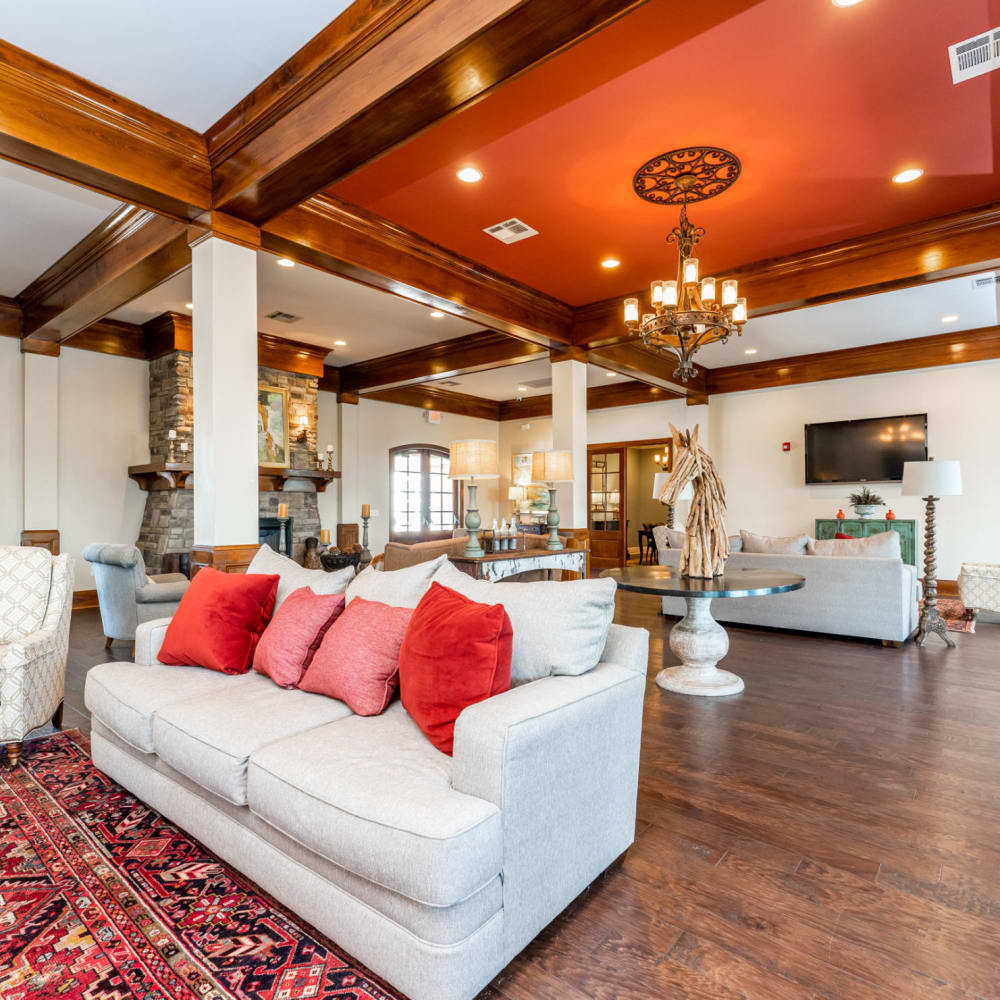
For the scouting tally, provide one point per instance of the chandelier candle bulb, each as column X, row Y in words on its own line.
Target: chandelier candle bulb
column 656, row 292
column 691, row 271
column 708, row 289
column 740, row 312
column 670, row 294
column 631, row 310
column 729, row 292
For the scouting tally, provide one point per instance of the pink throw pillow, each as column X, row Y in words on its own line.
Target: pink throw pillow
column 358, row 659
column 289, row 643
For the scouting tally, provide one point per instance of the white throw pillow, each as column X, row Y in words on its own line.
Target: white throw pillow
column 399, row 588
column 791, row 545
column 883, row 544
column 560, row 627
column 292, row 576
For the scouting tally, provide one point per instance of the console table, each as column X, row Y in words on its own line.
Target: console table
column 863, row 527
column 499, row 565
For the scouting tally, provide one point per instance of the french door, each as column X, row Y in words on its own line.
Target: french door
column 424, row 502
column 606, row 490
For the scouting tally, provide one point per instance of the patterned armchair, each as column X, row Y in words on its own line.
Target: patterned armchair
column 36, row 599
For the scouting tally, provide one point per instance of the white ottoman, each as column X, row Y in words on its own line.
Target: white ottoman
column 979, row 587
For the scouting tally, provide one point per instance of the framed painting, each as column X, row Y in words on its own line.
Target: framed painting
column 272, row 427
column 537, row 496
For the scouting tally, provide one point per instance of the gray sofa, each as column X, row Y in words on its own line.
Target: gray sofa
column 125, row 594
column 433, row 871
column 871, row 598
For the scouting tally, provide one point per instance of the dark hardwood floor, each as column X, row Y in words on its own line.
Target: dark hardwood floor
column 833, row 832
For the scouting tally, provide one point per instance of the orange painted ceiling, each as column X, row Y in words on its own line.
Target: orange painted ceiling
column 822, row 105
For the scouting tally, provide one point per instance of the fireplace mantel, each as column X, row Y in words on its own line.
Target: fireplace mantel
column 176, row 475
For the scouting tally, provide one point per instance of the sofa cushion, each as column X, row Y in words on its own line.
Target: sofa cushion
column 290, row 641
column 883, row 543
column 560, row 627
column 399, row 588
column 210, row 739
column 373, row 796
column 790, row 545
column 125, row 696
column 292, row 576
column 25, row 576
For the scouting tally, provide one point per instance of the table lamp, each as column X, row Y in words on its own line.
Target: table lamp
column 659, row 481
column 469, row 459
column 931, row 480
column 551, row 467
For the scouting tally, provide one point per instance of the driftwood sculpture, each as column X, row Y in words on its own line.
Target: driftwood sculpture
column 706, row 545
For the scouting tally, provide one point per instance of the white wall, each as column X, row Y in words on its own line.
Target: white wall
column 326, row 433
column 11, row 442
column 103, row 429
column 766, row 488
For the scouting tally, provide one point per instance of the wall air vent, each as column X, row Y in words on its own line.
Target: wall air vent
column 511, row 231
column 975, row 56
column 282, row 317
column 986, row 281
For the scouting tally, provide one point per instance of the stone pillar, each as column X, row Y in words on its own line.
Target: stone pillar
column 348, row 459
column 569, row 433
column 40, row 382
column 224, row 359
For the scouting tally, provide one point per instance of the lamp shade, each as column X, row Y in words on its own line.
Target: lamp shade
column 475, row 457
column 660, row 480
column 516, row 493
column 552, row 466
column 932, row 479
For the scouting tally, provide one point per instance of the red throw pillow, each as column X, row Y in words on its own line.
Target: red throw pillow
column 456, row 652
column 840, row 534
column 219, row 621
column 358, row 659
column 290, row 642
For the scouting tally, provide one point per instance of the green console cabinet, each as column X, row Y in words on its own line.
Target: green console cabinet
column 907, row 531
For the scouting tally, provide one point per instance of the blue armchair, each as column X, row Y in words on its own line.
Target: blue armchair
column 126, row 595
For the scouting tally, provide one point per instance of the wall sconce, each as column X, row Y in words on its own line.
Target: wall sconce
column 662, row 459
column 303, row 434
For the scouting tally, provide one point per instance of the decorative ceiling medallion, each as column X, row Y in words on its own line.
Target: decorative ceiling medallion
column 686, row 175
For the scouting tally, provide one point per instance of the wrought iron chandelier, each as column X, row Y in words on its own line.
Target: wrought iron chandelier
column 688, row 311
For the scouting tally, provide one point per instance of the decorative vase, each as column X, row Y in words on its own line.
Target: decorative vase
column 866, row 511
column 889, row 516
column 841, row 515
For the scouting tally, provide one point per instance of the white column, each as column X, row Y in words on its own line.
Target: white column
column 569, row 433
column 224, row 341
column 41, row 442
column 348, row 463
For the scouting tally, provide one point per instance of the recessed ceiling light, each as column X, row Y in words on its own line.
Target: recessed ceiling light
column 285, row 262
column 470, row 175
column 189, row 305
column 610, row 263
column 750, row 350
column 910, row 174
column 340, row 343
column 845, row 3
column 437, row 314
column 522, row 388
column 611, row 374
column 950, row 318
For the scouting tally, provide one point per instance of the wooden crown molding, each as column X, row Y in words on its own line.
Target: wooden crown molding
column 427, row 396
column 61, row 124
column 352, row 242
column 951, row 348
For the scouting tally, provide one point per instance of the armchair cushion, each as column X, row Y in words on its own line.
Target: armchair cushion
column 25, row 578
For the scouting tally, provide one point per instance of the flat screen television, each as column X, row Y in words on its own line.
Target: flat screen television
column 864, row 451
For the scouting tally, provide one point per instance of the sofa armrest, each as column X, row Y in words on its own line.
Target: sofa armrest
column 560, row 758
column 149, row 638
column 169, row 578
column 161, row 593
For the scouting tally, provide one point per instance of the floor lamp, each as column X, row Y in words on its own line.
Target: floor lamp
column 467, row 460
column 551, row 467
column 931, row 481
column 659, row 481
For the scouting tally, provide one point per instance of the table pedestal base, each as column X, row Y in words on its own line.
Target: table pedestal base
column 699, row 642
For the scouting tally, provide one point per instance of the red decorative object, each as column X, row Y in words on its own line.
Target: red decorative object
column 220, row 620
column 456, row 652
column 105, row 898
column 840, row 534
column 786, row 446
column 358, row 659
column 840, row 515
column 889, row 516
column 289, row 643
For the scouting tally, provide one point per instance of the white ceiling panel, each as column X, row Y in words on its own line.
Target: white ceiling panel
column 42, row 218
column 190, row 60
column 530, row 378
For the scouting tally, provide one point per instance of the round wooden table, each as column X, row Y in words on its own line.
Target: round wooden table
column 698, row 640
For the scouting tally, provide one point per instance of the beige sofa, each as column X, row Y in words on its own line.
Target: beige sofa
column 433, row 871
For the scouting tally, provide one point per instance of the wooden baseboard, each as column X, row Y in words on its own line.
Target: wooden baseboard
column 83, row 599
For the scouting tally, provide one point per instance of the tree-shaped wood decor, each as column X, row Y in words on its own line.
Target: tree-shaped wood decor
column 706, row 545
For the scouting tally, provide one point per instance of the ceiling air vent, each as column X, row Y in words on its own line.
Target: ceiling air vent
column 282, row 317
column 511, row 231
column 985, row 281
column 450, row 382
column 975, row 56
column 539, row 383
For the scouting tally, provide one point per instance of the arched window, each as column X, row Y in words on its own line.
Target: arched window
column 424, row 502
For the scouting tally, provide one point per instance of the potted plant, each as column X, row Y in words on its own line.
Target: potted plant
column 865, row 503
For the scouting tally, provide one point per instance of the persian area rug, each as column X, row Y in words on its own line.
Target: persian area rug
column 955, row 616
column 102, row 899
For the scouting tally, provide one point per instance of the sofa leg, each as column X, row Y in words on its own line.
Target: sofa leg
column 107, row 642
column 14, row 753
column 614, row 866
column 57, row 718
column 891, row 643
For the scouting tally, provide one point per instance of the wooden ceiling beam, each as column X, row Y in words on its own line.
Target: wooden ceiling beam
column 129, row 253
column 630, row 358
column 351, row 242
column 56, row 122
column 931, row 250
column 427, row 396
column 957, row 347
column 446, row 359
column 389, row 71
column 599, row 397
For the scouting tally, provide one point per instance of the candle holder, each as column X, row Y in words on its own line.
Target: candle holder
column 282, row 547
column 170, row 450
column 366, row 556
